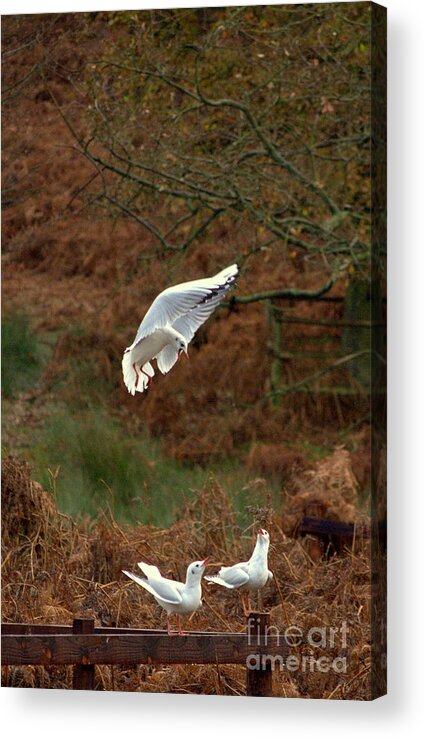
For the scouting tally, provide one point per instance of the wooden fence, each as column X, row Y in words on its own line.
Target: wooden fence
column 84, row 646
column 335, row 535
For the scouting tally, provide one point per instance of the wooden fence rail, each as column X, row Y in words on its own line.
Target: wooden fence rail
column 84, row 646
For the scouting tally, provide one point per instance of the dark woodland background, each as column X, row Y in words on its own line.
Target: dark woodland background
column 141, row 149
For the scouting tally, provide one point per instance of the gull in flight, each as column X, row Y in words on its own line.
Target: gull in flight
column 174, row 597
column 169, row 325
column 248, row 576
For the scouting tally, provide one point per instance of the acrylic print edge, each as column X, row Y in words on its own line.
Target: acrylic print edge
column 378, row 351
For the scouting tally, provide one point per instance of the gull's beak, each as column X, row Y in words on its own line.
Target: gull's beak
column 186, row 353
column 205, row 562
column 261, row 532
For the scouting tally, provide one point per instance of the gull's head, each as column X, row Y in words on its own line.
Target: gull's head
column 196, row 570
column 181, row 345
column 263, row 537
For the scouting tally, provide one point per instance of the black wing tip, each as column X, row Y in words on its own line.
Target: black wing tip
column 234, row 274
column 232, row 279
column 222, row 288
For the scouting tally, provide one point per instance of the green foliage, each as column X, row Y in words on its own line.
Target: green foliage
column 96, row 463
column 21, row 354
column 99, row 464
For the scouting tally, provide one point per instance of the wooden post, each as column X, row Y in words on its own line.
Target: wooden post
column 259, row 678
column 83, row 677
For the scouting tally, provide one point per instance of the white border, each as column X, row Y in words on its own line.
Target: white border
column 45, row 713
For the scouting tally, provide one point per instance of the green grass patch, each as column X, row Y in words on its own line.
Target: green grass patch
column 96, row 462
column 23, row 356
column 98, row 465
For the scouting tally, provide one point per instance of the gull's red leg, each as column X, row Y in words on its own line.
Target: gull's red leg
column 149, row 378
column 181, row 632
column 136, row 375
column 168, row 623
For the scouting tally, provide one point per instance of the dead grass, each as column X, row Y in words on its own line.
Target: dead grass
column 330, row 489
column 54, row 570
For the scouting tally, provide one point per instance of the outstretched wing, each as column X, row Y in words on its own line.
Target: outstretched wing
column 188, row 324
column 149, row 570
column 167, row 358
column 216, row 579
column 231, row 576
column 161, row 588
column 191, row 303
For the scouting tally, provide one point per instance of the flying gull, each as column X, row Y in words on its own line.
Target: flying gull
column 169, row 325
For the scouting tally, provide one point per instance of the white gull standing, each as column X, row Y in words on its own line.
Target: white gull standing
column 174, row 597
column 169, row 325
column 248, row 576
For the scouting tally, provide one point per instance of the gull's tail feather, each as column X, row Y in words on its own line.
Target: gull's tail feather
column 128, row 371
column 216, row 579
column 142, row 582
column 150, row 587
column 134, row 378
